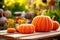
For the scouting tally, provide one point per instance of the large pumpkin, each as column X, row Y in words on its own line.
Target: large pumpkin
column 42, row 23
column 26, row 28
column 55, row 25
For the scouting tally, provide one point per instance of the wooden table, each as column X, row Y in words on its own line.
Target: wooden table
column 34, row 36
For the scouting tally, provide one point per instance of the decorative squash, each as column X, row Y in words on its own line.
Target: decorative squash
column 26, row 28
column 42, row 23
column 11, row 30
column 55, row 25
column 7, row 14
column 2, row 19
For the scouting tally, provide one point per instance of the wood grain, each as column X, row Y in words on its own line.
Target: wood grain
column 35, row 36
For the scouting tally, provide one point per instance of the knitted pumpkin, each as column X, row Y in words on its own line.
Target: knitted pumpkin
column 11, row 30
column 55, row 25
column 42, row 23
column 26, row 28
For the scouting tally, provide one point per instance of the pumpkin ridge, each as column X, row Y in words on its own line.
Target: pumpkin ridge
column 47, row 24
column 36, row 21
column 22, row 29
column 51, row 24
column 44, row 24
column 50, row 21
column 41, row 27
column 28, row 28
column 37, row 24
column 31, row 28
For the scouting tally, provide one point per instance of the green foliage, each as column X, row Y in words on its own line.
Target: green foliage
column 1, row 3
column 14, row 8
column 58, row 15
column 50, row 13
column 55, row 13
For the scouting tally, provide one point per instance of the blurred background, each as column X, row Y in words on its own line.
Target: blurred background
column 26, row 10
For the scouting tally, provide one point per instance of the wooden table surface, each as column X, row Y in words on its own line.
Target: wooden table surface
column 36, row 35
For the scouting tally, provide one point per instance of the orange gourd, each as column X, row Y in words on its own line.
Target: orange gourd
column 11, row 30
column 55, row 25
column 26, row 28
column 42, row 23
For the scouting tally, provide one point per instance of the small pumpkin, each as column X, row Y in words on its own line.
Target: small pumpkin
column 11, row 30
column 26, row 28
column 55, row 25
column 42, row 23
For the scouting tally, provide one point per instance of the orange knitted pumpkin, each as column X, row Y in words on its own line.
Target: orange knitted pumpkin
column 42, row 23
column 11, row 30
column 55, row 25
column 26, row 28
